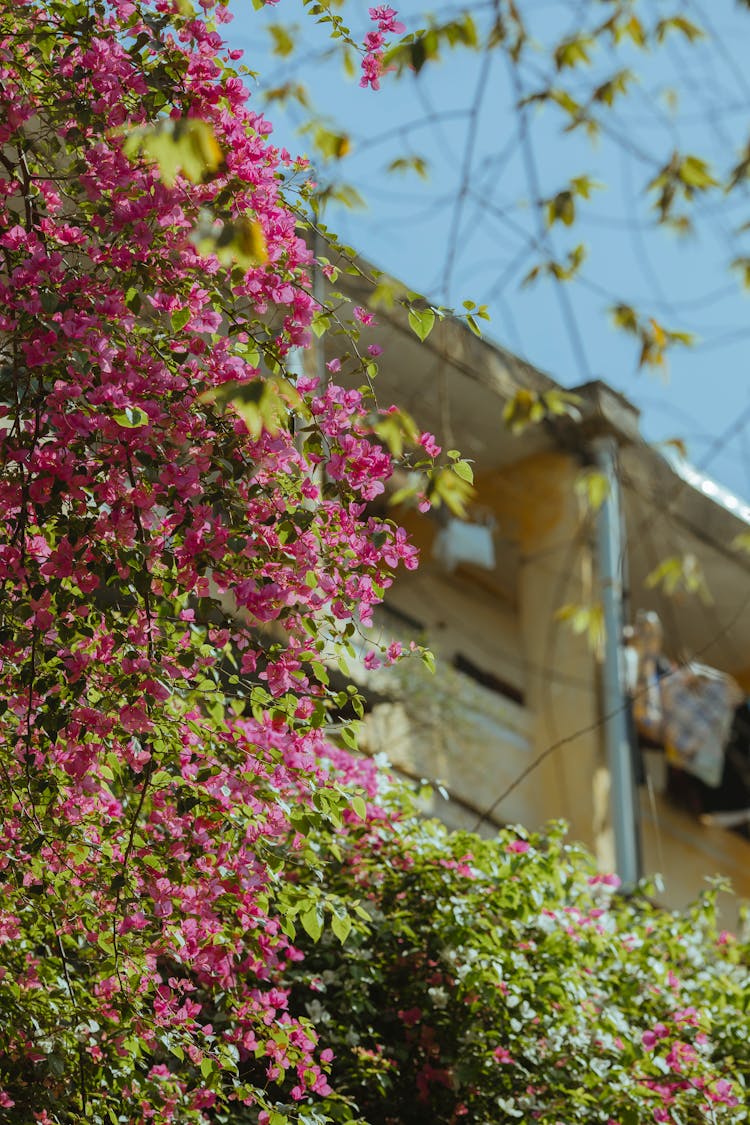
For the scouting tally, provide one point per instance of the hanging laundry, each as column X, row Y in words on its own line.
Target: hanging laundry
column 645, row 674
column 693, row 713
column 648, row 706
column 729, row 805
column 698, row 705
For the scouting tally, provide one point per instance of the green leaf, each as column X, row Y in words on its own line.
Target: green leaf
column 349, row 738
column 180, row 318
column 312, row 922
column 421, row 322
column 319, row 671
column 104, row 941
column 448, row 488
column 131, row 418
column 133, row 299
column 78, row 854
column 341, row 926
column 464, row 470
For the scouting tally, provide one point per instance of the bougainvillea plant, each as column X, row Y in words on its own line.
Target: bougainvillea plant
column 184, row 546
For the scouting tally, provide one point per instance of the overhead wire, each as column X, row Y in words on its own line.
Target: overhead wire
column 466, row 169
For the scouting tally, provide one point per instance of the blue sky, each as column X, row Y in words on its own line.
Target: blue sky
column 458, row 115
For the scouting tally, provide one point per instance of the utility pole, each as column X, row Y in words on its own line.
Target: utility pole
column 319, row 294
column 615, row 702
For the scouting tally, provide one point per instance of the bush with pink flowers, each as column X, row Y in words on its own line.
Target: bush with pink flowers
column 505, row 980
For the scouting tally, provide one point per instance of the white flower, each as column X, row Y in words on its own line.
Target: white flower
column 438, row 996
column 317, row 1012
column 546, row 923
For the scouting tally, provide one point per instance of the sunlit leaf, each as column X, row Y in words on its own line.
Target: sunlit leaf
column 132, row 418
column 593, row 487
column 448, row 488
column 421, row 322
column 186, row 146
column 680, row 573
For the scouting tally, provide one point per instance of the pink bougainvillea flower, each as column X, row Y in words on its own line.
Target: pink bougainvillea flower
column 428, row 443
column 503, row 1056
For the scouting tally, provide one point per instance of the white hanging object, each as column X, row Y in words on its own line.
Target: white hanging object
column 458, row 542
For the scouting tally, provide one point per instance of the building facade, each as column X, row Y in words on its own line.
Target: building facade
column 512, row 726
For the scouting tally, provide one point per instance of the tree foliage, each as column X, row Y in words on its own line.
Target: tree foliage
column 561, row 99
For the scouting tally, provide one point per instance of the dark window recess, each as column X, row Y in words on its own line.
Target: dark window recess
column 462, row 664
column 402, row 617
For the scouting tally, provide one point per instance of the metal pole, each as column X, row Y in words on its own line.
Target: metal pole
column 319, row 294
column 615, row 703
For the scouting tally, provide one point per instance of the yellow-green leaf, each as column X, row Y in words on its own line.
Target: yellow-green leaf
column 131, row 418
column 312, row 922
column 449, row 489
column 593, row 487
column 421, row 322
column 180, row 318
column 186, row 146
column 464, row 470
column 341, row 926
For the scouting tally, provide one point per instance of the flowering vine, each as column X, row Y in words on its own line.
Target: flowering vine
column 185, row 545
column 372, row 60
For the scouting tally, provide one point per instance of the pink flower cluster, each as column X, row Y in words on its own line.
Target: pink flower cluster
column 374, row 43
column 680, row 1059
